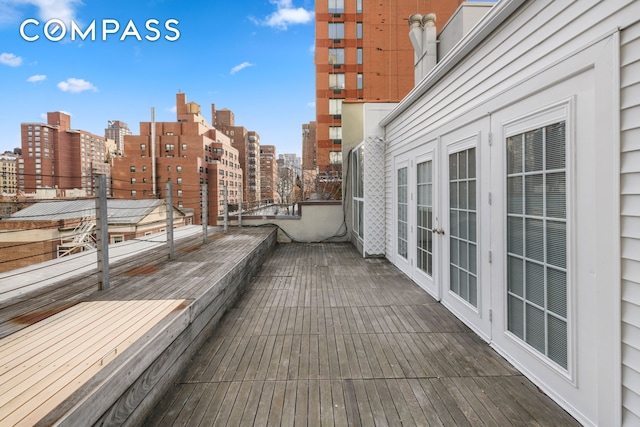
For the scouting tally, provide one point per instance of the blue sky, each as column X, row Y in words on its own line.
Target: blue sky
column 254, row 57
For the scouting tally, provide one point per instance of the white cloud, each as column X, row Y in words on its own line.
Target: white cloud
column 311, row 104
column 49, row 9
column 173, row 109
column 37, row 78
column 286, row 15
column 241, row 66
column 74, row 85
column 10, row 59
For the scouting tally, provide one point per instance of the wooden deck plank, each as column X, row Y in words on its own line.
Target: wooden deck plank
column 277, row 404
column 36, row 385
column 375, row 403
column 264, row 405
column 365, row 348
column 289, row 405
column 314, row 407
column 326, row 403
column 239, row 404
column 253, row 400
column 206, row 397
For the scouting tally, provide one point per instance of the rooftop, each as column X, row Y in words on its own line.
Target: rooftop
column 319, row 335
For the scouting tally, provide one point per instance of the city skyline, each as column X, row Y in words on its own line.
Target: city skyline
column 255, row 58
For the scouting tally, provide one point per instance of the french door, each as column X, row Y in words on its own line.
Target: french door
column 466, row 290
column 438, row 226
column 417, row 247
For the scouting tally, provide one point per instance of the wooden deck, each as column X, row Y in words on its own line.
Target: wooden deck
column 73, row 355
column 324, row 337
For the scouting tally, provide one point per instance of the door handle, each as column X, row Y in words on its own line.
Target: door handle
column 438, row 231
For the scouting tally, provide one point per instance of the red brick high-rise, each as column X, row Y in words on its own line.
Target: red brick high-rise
column 268, row 174
column 363, row 51
column 190, row 153
column 56, row 156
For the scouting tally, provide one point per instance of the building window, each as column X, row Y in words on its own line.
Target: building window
column 169, row 147
column 359, row 82
column 117, row 239
column 133, row 193
column 178, row 169
column 180, row 204
column 359, row 56
column 358, row 30
column 132, row 168
column 336, row 56
column 537, row 240
column 336, row 6
column 335, row 158
column 133, row 180
column 143, row 147
column 335, row 132
column 179, row 181
column 336, row 30
column 184, row 147
column 336, row 81
column 358, row 6
column 335, row 106
column 179, row 193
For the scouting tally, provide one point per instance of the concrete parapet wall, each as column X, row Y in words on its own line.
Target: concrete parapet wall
column 318, row 221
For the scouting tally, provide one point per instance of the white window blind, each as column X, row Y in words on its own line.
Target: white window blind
column 537, row 240
column 463, row 269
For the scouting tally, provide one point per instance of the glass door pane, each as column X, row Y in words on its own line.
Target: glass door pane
column 462, row 223
column 403, row 213
column 425, row 217
column 536, row 240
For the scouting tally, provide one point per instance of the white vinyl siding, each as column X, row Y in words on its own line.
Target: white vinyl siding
column 557, row 40
column 630, row 222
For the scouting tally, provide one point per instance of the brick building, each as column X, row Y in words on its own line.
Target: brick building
column 190, row 153
column 8, row 174
column 268, row 173
column 116, row 131
column 362, row 52
column 248, row 145
column 57, row 156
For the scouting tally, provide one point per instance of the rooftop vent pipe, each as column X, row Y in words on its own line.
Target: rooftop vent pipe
column 422, row 33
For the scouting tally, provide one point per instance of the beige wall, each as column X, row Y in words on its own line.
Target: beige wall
column 318, row 221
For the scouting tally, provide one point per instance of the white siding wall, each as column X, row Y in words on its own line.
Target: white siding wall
column 539, row 34
column 630, row 222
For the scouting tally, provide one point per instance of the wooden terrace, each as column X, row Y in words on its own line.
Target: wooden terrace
column 241, row 331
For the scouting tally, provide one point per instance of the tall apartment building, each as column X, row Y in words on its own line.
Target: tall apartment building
column 309, row 131
column 309, row 169
column 362, row 52
column 248, row 145
column 117, row 130
column 8, row 174
column 189, row 152
column 268, row 174
column 57, row 156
